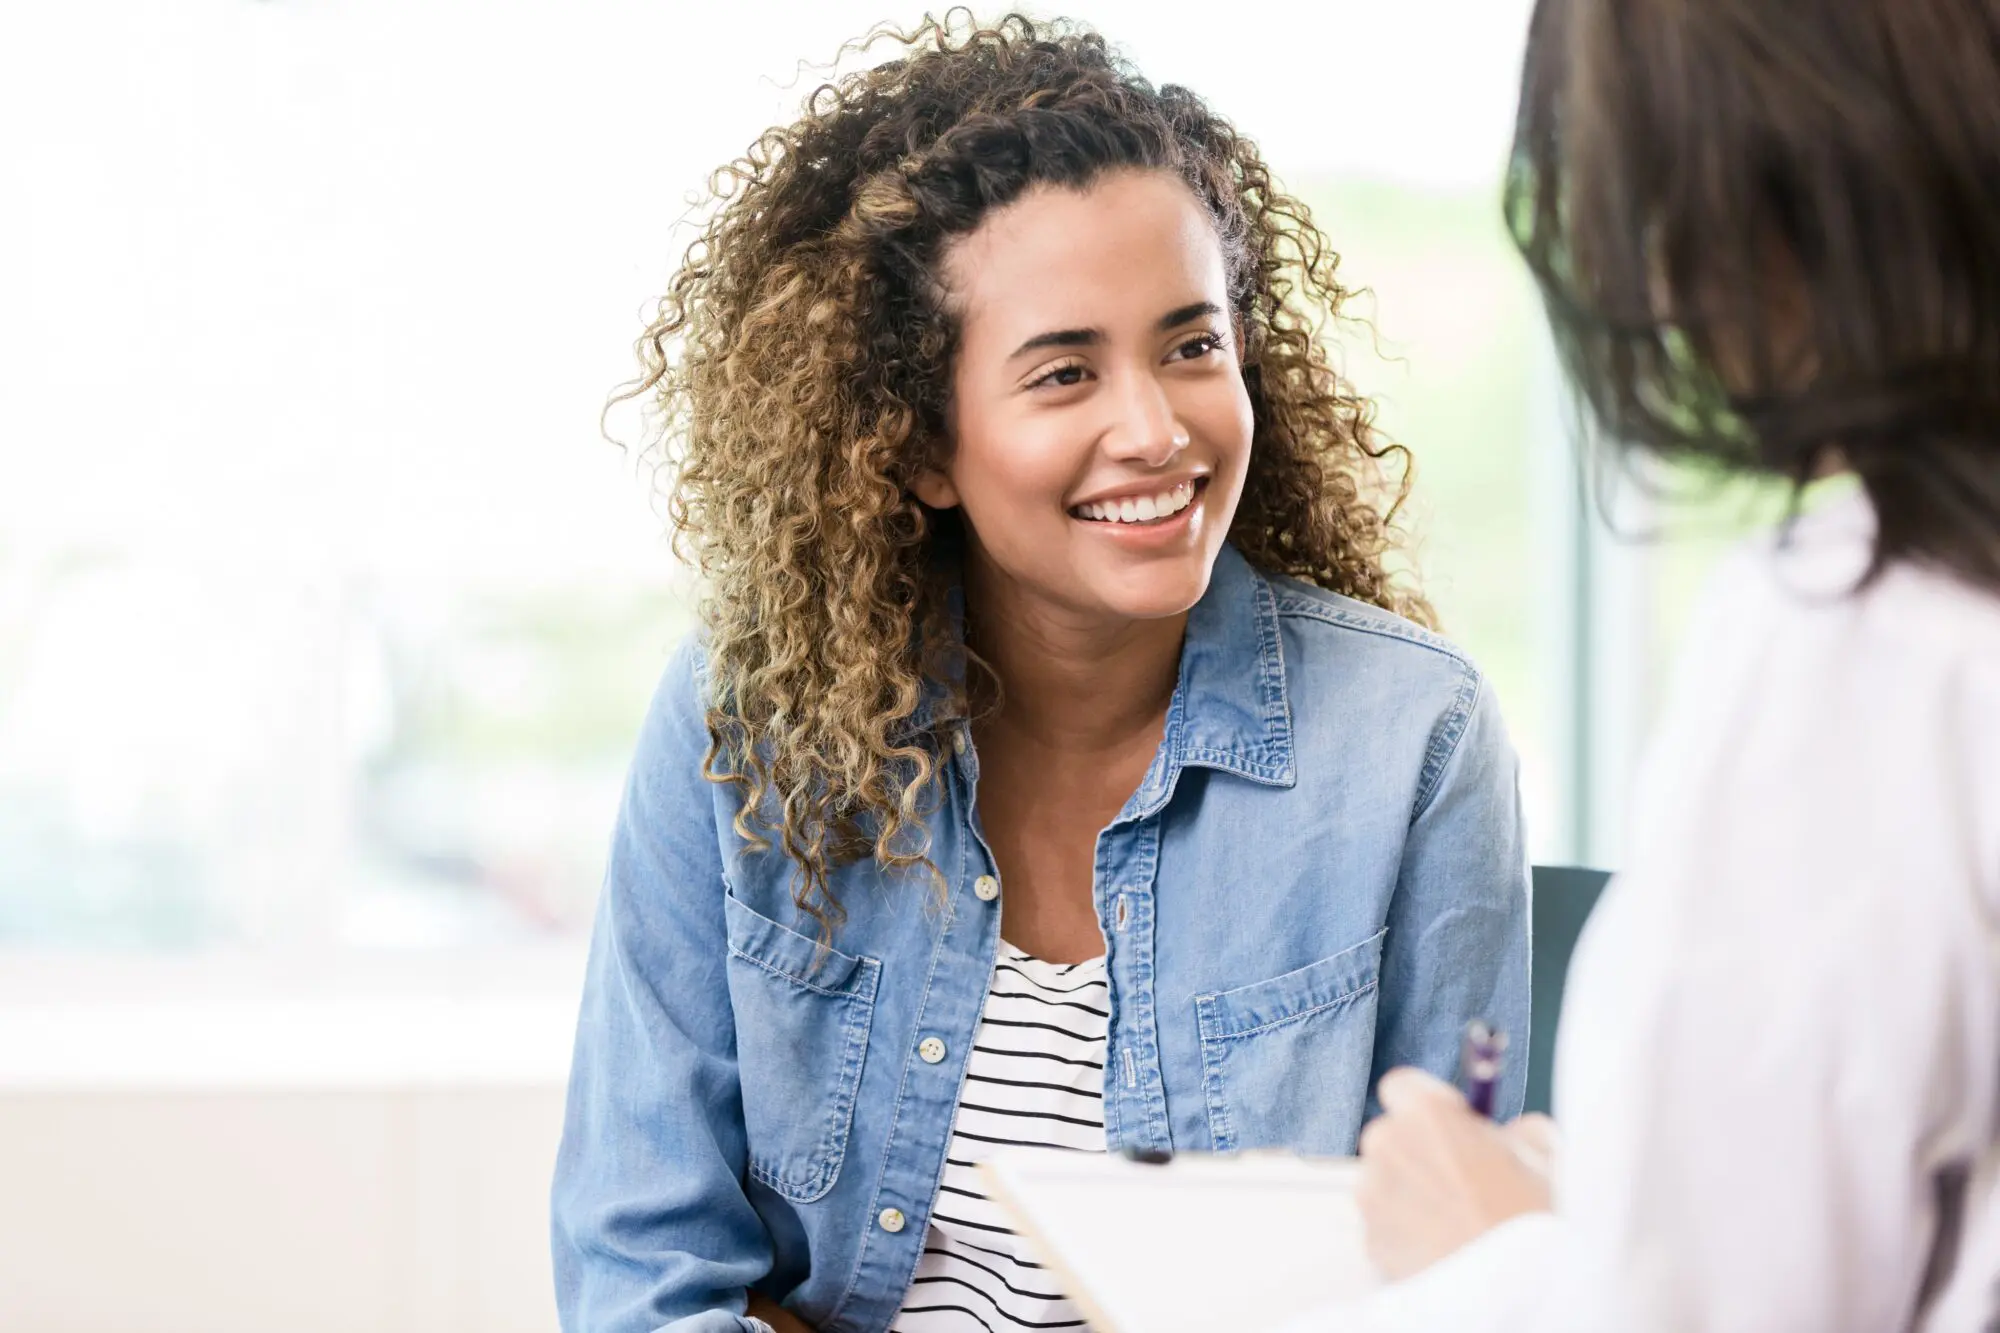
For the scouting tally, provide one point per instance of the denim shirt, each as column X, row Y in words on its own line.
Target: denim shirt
column 1321, row 876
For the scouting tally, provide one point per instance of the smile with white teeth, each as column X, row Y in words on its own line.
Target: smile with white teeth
column 1139, row 508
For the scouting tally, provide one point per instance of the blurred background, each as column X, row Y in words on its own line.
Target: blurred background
column 327, row 616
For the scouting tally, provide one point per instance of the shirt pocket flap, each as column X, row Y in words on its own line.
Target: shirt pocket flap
column 1282, row 999
column 1285, row 1062
column 803, row 1015
column 755, row 938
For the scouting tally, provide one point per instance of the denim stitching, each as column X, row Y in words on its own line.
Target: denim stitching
column 871, row 967
column 1439, row 755
column 1276, row 766
column 1131, row 859
column 1236, row 762
column 1271, row 666
column 1221, row 1125
column 1151, row 1084
column 1381, row 623
column 822, row 1169
column 1321, row 1007
column 1221, row 1129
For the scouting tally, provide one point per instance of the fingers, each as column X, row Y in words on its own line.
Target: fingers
column 1410, row 1098
column 1535, row 1132
column 1407, row 1089
column 1534, row 1140
column 1372, row 1135
column 1383, row 1198
column 1435, row 1175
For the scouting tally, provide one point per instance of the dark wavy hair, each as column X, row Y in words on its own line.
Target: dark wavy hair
column 798, row 372
column 1767, row 233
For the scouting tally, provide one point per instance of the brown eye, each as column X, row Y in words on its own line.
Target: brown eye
column 1199, row 346
column 1064, row 376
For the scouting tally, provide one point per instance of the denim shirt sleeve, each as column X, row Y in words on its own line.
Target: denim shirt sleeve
column 1457, row 947
column 651, row 1228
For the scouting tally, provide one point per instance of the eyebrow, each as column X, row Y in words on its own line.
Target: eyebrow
column 1091, row 337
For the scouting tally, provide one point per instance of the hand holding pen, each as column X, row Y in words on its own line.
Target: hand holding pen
column 1436, row 1171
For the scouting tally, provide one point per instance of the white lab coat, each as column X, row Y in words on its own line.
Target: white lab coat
column 1780, row 1051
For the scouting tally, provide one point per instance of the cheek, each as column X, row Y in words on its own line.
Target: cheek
column 1006, row 485
column 1222, row 416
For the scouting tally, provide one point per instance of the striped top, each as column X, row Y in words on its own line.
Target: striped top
column 1035, row 1078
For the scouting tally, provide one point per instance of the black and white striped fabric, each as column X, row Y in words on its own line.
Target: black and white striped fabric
column 1035, row 1076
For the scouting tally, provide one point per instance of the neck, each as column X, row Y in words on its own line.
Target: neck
column 1070, row 682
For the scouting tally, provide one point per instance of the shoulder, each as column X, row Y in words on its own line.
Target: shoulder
column 1338, row 643
column 1384, row 691
column 1804, row 591
column 675, row 731
column 1850, row 717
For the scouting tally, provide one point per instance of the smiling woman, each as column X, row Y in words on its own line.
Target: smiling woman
column 1100, row 459
column 1057, row 763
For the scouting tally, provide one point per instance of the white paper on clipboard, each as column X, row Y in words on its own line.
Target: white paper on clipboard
column 1196, row 1245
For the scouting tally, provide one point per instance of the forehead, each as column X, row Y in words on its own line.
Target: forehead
column 1133, row 242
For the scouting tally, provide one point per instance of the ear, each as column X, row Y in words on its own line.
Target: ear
column 935, row 489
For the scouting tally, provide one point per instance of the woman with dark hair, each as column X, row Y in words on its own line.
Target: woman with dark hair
column 1058, row 762
column 1768, row 233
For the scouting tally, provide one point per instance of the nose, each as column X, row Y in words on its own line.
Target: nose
column 1146, row 430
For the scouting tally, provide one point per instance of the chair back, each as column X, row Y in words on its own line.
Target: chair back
column 1564, row 896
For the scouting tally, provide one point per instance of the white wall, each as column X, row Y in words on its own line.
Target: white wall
column 220, row 1144
column 297, row 1209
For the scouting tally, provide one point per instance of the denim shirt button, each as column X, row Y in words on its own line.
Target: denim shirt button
column 931, row 1050
column 958, row 741
column 986, row 888
column 891, row 1220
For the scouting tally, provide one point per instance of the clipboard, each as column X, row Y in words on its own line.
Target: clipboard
column 1194, row 1245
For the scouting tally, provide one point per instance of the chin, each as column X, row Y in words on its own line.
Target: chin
column 1157, row 593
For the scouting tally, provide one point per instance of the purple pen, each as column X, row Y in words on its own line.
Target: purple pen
column 1479, row 1064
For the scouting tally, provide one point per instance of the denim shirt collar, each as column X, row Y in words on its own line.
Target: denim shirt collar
column 1230, row 709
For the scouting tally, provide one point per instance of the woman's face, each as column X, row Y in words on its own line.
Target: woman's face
column 1100, row 428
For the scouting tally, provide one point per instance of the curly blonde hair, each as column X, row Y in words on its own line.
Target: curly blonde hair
column 797, row 373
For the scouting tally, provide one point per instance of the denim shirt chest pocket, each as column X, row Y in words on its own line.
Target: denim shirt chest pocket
column 1286, row 1062
column 802, row 1017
